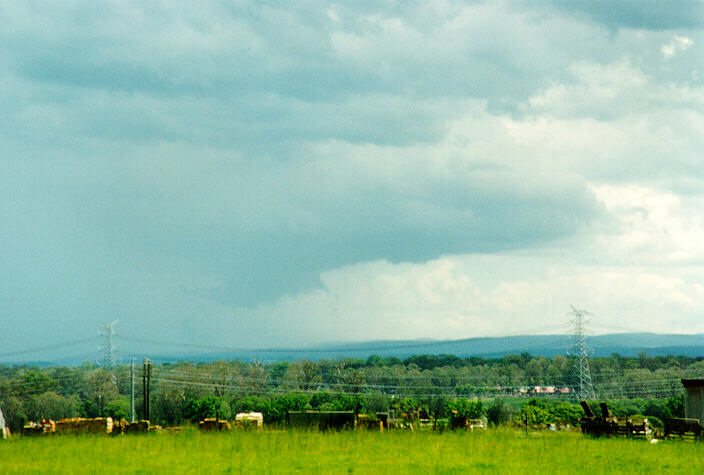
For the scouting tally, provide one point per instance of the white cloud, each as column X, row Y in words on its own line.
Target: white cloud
column 677, row 44
column 207, row 165
column 449, row 299
column 654, row 226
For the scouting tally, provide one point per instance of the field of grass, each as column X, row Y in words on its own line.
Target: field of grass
column 494, row 451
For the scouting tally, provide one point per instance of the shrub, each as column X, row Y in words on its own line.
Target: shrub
column 320, row 398
column 676, row 405
column 499, row 412
column 534, row 413
column 198, row 409
column 345, row 402
column 466, row 408
column 118, row 409
column 566, row 413
column 286, row 403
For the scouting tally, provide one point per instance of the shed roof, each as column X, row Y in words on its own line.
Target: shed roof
column 693, row 383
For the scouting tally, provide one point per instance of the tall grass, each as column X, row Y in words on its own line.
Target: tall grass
column 499, row 451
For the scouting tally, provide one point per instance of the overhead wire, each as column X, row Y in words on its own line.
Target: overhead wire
column 55, row 346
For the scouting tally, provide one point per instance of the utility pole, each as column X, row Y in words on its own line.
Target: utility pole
column 132, row 392
column 146, row 379
column 584, row 389
column 108, row 346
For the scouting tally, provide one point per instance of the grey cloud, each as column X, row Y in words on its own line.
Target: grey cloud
column 152, row 158
column 645, row 14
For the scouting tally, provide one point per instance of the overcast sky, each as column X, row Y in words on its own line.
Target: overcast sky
column 261, row 174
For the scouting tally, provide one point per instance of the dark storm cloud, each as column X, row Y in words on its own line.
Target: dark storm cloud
column 232, row 152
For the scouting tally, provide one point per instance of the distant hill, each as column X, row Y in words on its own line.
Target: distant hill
column 624, row 344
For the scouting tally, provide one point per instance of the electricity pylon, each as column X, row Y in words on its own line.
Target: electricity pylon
column 108, row 346
column 581, row 351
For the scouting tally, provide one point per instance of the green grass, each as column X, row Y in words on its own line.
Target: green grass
column 347, row 452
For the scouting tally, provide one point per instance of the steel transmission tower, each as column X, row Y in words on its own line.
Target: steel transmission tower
column 108, row 346
column 584, row 389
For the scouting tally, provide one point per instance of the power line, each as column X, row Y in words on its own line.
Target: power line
column 55, row 346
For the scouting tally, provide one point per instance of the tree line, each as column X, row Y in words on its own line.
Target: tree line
column 435, row 384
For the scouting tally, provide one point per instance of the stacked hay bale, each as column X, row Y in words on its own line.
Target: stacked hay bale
column 249, row 420
column 138, row 427
column 32, row 428
column 213, row 424
column 99, row 425
column 68, row 426
column 79, row 425
column 46, row 426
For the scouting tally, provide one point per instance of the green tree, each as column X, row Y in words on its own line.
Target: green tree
column 256, row 404
column 286, row 403
column 118, row 409
column 167, row 405
column 320, row 398
column 566, row 413
column 101, row 388
column 675, row 404
column 534, row 413
column 35, row 382
column 471, row 409
column 13, row 410
column 52, row 406
column 198, row 409
column 499, row 412
column 345, row 402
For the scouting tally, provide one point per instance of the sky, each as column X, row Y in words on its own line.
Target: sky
column 263, row 174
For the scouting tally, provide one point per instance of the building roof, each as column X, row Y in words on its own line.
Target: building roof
column 693, row 383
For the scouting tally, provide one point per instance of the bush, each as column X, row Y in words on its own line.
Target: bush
column 534, row 413
column 51, row 406
column 676, row 405
column 118, row 409
column 255, row 404
column 198, row 409
column 377, row 403
column 499, row 412
column 345, row 402
column 656, row 408
column 13, row 411
column 566, row 413
column 251, row 404
column 287, row 403
column 656, row 424
column 320, row 398
column 466, row 408
column 407, row 405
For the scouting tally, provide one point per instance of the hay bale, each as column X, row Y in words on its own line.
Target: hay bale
column 322, row 420
column 213, row 424
column 249, row 420
column 139, row 427
column 79, row 425
column 32, row 429
column 68, row 426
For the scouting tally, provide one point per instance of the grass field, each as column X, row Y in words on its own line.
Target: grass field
column 500, row 451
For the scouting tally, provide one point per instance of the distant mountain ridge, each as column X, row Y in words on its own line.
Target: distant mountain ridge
column 624, row 344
